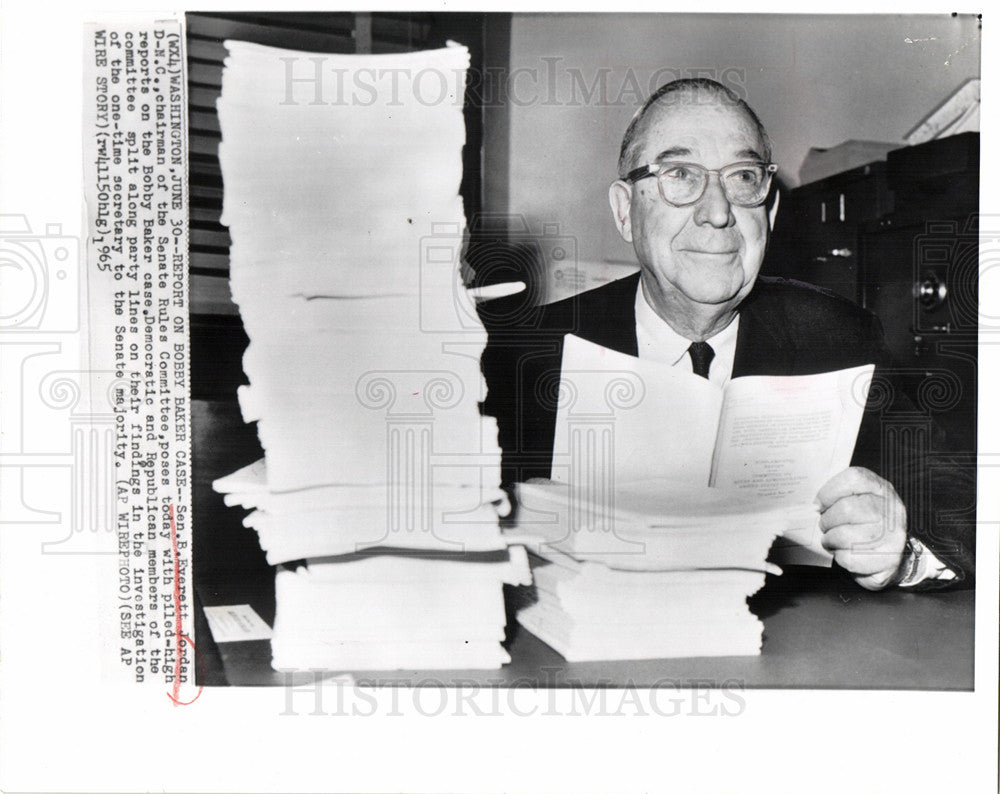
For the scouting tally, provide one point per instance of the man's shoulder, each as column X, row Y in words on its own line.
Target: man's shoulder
column 599, row 301
column 569, row 315
column 800, row 302
column 806, row 307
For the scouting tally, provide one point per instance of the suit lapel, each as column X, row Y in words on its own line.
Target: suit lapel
column 763, row 346
column 606, row 316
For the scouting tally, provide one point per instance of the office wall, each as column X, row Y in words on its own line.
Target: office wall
column 575, row 81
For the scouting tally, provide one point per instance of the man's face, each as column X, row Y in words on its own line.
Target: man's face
column 711, row 251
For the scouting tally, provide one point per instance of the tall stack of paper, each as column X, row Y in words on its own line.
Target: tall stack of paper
column 341, row 196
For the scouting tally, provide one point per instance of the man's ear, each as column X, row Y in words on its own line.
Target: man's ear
column 620, row 198
column 772, row 211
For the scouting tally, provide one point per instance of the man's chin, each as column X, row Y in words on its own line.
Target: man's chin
column 717, row 294
column 721, row 289
column 720, row 301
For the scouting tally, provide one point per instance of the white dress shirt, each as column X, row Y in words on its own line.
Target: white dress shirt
column 659, row 342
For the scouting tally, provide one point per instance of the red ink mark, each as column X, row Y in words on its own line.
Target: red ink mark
column 415, row 393
column 201, row 667
column 179, row 637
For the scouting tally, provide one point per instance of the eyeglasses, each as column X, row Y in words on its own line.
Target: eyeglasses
column 745, row 184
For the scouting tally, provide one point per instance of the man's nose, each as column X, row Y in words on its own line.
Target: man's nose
column 713, row 208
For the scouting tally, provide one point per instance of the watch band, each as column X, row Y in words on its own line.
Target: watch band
column 909, row 567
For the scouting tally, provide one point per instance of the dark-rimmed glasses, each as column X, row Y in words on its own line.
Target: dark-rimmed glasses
column 745, row 184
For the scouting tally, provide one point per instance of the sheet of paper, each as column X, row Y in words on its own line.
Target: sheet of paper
column 621, row 418
column 236, row 623
column 651, row 527
column 784, row 437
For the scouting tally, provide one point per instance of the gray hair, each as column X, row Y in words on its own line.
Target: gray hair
column 692, row 85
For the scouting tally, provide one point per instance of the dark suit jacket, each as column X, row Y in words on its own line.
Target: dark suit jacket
column 786, row 328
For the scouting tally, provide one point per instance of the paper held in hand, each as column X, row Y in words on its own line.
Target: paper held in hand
column 651, row 526
column 774, row 440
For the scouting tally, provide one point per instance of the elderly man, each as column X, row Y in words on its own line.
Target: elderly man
column 695, row 200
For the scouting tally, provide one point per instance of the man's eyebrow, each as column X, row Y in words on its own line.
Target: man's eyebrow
column 674, row 151
column 683, row 151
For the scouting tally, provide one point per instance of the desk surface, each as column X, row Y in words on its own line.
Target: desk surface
column 820, row 631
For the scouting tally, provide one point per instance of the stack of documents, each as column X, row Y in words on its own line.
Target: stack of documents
column 653, row 574
column 668, row 493
column 363, row 362
column 390, row 611
column 292, row 525
column 590, row 612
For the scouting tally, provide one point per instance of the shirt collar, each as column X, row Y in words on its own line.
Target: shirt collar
column 657, row 341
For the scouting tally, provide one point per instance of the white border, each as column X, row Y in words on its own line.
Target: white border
column 64, row 730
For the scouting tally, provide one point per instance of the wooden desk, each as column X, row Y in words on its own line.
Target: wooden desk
column 821, row 631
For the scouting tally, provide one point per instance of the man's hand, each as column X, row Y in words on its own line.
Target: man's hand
column 864, row 525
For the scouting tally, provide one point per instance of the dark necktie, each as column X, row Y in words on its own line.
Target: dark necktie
column 701, row 357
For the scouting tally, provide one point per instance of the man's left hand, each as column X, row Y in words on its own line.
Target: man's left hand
column 864, row 525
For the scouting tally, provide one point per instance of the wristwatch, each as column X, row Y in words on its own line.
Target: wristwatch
column 909, row 567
